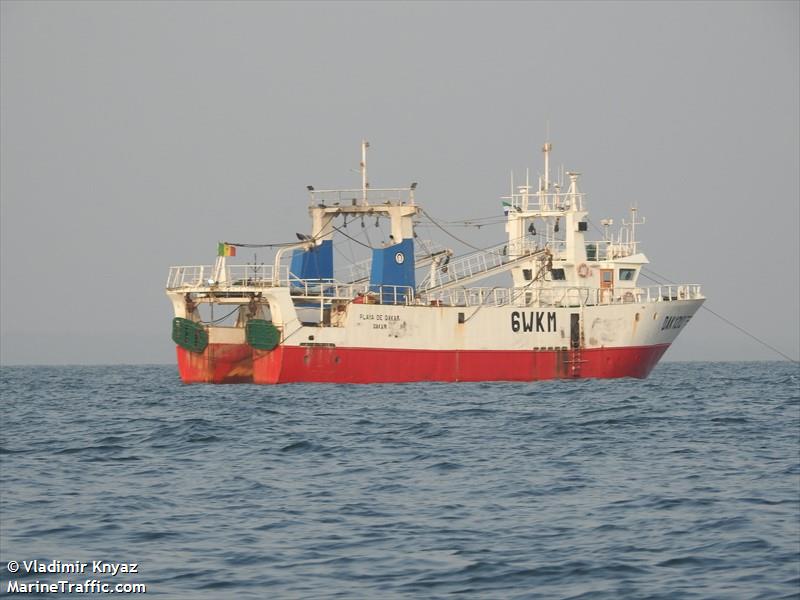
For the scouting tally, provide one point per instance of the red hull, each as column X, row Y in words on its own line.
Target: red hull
column 239, row 363
column 218, row 363
column 287, row 364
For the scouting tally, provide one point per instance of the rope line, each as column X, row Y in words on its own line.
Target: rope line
column 704, row 307
column 467, row 244
column 365, row 231
column 220, row 319
column 720, row 317
column 276, row 245
column 349, row 237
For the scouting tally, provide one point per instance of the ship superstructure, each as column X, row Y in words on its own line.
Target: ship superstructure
column 413, row 311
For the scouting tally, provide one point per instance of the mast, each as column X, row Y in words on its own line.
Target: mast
column 632, row 227
column 546, row 149
column 364, row 183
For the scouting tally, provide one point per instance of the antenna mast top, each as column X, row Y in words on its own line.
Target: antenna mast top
column 546, row 149
column 364, row 182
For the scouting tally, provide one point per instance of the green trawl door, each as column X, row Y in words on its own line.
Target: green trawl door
column 188, row 334
column 261, row 334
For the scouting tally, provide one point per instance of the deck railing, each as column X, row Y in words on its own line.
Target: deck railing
column 479, row 264
column 560, row 297
column 246, row 278
column 230, row 276
column 360, row 197
column 525, row 199
column 326, row 290
column 599, row 250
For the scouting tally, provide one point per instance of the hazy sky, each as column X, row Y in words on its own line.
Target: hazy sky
column 137, row 135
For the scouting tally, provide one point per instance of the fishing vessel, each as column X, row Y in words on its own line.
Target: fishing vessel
column 413, row 310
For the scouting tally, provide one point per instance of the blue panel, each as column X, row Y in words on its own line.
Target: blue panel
column 392, row 266
column 316, row 263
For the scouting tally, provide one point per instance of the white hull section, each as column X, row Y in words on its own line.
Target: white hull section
column 500, row 328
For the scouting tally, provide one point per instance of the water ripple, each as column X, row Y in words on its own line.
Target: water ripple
column 683, row 485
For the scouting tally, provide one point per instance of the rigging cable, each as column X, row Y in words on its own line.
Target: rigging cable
column 343, row 255
column 352, row 238
column 349, row 243
column 704, row 307
column 365, row 230
column 424, row 245
column 473, row 220
column 276, row 245
column 432, row 220
column 220, row 319
column 719, row 316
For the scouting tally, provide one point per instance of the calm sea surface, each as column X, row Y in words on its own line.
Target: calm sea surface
column 684, row 485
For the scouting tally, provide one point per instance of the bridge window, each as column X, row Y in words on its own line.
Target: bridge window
column 557, row 274
column 626, row 274
column 527, row 274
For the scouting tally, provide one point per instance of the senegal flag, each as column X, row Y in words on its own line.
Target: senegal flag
column 225, row 249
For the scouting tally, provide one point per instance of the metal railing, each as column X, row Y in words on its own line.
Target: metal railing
column 478, row 264
column 243, row 278
column 667, row 293
column 327, row 290
column 560, row 297
column 202, row 278
column 607, row 250
column 355, row 197
column 231, row 276
column 545, row 201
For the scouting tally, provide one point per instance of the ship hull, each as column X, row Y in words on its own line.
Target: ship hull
column 218, row 363
column 384, row 344
column 239, row 363
column 293, row 364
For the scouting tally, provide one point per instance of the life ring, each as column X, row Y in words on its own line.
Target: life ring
column 583, row 270
column 628, row 297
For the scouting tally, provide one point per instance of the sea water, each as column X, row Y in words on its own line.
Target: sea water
column 683, row 485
